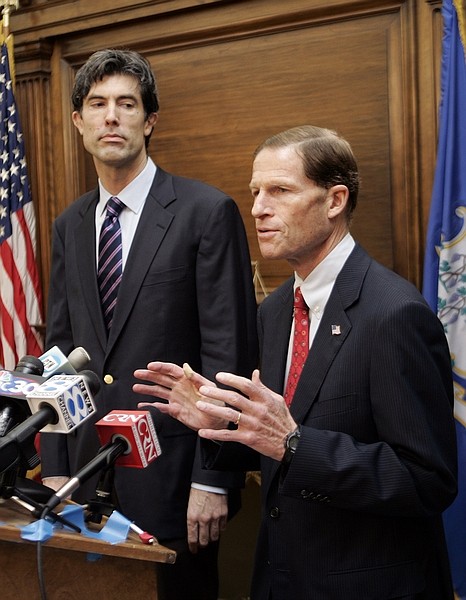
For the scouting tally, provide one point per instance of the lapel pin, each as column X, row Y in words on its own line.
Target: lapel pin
column 336, row 330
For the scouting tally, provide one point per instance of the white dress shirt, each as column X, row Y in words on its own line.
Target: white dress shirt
column 133, row 197
column 317, row 287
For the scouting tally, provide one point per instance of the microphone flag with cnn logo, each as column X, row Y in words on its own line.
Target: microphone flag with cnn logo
column 137, row 428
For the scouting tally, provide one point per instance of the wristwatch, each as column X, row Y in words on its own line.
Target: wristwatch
column 291, row 444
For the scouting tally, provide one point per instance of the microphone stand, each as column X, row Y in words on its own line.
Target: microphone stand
column 101, row 505
column 10, row 490
column 21, row 455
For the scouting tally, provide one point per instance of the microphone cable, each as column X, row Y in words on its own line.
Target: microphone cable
column 40, row 571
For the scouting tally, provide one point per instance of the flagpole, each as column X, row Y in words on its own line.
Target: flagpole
column 8, row 5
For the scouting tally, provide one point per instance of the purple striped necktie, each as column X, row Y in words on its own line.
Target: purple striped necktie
column 110, row 270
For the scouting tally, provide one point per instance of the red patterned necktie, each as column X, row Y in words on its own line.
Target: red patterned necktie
column 300, row 344
column 110, row 270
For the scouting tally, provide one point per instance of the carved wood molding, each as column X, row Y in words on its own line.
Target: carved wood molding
column 32, row 59
column 43, row 18
column 193, row 19
column 217, row 24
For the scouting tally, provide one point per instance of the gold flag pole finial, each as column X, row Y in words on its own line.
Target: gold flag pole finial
column 7, row 7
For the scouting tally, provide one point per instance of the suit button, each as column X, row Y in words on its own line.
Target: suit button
column 306, row 494
column 275, row 512
column 108, row 379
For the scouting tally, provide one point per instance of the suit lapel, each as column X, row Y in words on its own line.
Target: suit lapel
column 86, row 264
column 275, row 343
column 321, row 355
column 154, row 223
column 331, row 335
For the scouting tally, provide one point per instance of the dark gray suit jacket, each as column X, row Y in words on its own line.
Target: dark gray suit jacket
column 357, row 516
column 186, row 296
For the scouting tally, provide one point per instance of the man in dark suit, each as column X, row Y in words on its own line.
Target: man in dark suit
column 186, row 293
column 357, row 471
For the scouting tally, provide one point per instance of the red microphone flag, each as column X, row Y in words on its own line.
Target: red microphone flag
column 137, row 428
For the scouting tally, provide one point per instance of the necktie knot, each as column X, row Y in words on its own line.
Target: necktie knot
column 299, row 302
column 114, row 207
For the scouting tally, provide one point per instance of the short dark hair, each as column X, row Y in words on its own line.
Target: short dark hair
column 328, row 159
column 116, row 62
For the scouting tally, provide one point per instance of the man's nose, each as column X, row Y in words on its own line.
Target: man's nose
column 111, row 116
column 260, row 205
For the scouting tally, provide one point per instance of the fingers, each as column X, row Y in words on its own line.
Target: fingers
column 200, row 534
column 163, row 408
column 188, row 371
column 158, row 391
column 165, row 368
column 193, row 536
column 206, row 517
column 195, row 378
column 155, row 377
column 219, row 398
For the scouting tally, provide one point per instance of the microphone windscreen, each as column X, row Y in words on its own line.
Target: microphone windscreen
column 30, row 365
column 92, row 380
column 78, row 358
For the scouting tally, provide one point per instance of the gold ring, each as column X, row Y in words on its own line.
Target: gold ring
column 238, row 419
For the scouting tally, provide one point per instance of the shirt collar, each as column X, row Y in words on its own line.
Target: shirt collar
column 135, row 193
column 318, row 285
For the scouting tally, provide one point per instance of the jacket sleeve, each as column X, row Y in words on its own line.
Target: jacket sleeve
column 227, row 309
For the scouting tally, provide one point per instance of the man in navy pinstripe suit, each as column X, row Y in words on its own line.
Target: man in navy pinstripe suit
column 356, row 473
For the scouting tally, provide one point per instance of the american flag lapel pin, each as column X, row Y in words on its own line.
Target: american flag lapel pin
column 336, row 330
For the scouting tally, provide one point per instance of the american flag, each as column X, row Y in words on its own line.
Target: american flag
column 20, row 291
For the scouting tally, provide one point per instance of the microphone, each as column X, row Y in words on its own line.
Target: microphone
column 135, row 426
column 14, row 385
column 129, row 440
column 55, row 362
column 65, row 401
column 59, row 404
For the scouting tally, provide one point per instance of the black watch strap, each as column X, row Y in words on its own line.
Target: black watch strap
column 291, row 442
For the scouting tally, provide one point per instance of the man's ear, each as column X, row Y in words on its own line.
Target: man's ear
column 338, row 195
column 77, row 120
column 150, row 123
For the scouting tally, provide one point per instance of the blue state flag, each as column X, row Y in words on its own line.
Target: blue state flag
column 445, row 262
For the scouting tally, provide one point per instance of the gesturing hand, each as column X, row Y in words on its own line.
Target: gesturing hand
column 180, row 387
column 265, row 419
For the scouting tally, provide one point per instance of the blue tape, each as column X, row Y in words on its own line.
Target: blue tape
column 114, row 531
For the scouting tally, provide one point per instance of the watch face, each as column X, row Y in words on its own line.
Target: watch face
column 293, row 442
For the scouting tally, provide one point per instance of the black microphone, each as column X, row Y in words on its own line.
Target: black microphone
column 14, row 385
column 59, row 404
column 105, row 458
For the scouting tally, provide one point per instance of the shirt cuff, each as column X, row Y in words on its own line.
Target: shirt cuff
column 209, row 488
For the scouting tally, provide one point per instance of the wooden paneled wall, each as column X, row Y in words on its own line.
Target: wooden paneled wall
column 231, row 73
